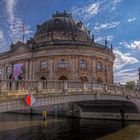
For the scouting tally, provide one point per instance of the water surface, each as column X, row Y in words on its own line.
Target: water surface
column 25, row 127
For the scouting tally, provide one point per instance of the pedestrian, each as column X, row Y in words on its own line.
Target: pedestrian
column 20, row 77
column 11, row 77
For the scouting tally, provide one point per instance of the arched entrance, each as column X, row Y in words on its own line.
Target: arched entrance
column 42, row 78
column 62, row 78
column 99, row 80
column 83, row 79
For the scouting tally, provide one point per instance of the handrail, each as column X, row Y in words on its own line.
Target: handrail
column 65, row 86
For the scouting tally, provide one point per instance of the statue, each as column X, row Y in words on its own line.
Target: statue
column 93, row 37
column 139, row 73
column 111, row 47
column 106, row 42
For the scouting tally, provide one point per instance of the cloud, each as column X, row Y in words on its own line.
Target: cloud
column 16, row 24
column 105, row 26
column 133, row 45
column 10, row 4
column 102, row 39
column 121, row 73
column 123, row 59
column 2, row 42
column 131, row 19
column 90, row 8
column 87, row 11
column 126, row 75
column 115, row 3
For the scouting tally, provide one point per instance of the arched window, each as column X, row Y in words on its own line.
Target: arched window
column 63, row 63
column 108, row 68
column 8, row 70
column 83, row 64
column 99, row 66
column 0, row 71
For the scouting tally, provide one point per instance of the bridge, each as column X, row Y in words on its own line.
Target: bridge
column 14, row 92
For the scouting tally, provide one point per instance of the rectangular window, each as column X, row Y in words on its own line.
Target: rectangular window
column 63, row 63
column 83, row 64
column 43, row 64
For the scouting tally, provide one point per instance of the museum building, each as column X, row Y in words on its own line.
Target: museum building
column 61, row 49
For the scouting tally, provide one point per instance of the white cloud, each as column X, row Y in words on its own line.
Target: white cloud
column 125, row 75
column 102, row 39
column 131, row 19
column 87, row 11
column 106, row 26
column 115, row 3
column 133, row 45
column 123, row 59
column 10, row 4
column 2, row 42
column 92, row 8
column 16, row 23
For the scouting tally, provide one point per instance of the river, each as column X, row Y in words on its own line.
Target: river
column 26, row 127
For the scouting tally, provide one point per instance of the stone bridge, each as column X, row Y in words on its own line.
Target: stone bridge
column 13, row 94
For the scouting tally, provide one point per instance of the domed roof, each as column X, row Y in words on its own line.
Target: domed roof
column 61, row 22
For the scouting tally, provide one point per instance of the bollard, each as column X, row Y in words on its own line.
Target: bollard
column 44, row 115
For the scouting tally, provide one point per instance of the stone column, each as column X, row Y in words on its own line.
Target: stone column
column 74, row 67
column 30, row 69
column 93, row 68
column 26, row 70
column 50, row 68
column 33, row 68
column 12, row 68
column 3, row 72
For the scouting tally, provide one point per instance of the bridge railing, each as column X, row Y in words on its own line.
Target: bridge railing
column 44, row 86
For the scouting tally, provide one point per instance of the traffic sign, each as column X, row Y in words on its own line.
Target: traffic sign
column 30, row 100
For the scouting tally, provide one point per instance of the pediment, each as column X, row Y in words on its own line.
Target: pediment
column 20, row 47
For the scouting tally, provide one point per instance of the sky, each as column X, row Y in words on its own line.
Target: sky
column 118, row 21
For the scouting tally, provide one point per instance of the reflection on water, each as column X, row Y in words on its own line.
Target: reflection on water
column 24, row 127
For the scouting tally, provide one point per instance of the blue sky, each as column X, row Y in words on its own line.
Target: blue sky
column 116, row 20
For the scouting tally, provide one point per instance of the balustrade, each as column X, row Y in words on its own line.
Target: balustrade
column 64, row 86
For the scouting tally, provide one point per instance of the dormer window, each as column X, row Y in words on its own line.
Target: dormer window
column 57, row 21
column 79, row 24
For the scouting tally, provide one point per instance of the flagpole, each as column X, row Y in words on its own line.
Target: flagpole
column 23, row 31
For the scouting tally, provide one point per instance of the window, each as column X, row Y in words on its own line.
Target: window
column 43, row 64
column 107, row 68
column 0, row 71
column 8, row 70
column 63, row 63
column 99, row 66
column 83, row 64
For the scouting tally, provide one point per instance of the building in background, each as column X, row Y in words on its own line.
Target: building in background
column 61, row 49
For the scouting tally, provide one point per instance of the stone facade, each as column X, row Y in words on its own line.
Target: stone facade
column 61, row 49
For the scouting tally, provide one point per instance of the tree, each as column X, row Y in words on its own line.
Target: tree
column 130, row 85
